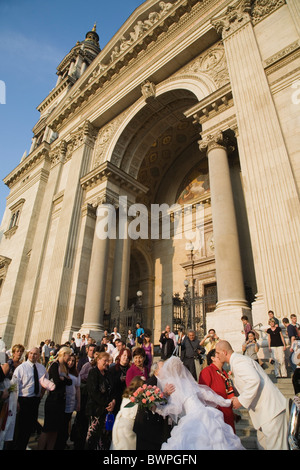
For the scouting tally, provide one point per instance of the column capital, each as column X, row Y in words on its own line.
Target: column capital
column 234, row 17
column 86, row 134
column 217, row 140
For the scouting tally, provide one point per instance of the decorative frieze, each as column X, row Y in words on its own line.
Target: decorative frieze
column 144, row 32
column 263, row 8
column 212, row 64
column 104, row 138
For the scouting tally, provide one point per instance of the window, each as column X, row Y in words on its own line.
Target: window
column 14, row 218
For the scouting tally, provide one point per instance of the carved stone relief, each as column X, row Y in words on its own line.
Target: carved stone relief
column 212, row 63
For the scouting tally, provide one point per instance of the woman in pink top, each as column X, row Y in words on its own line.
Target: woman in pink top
column 137, row 368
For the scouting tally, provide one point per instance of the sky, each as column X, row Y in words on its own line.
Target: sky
column 35, row 35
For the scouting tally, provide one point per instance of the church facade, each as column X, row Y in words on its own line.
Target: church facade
column 162, row 183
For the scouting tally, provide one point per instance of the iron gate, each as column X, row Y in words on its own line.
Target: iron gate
column 190, row 312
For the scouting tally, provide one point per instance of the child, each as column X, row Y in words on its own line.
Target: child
column 247, row 326
column 123, row 437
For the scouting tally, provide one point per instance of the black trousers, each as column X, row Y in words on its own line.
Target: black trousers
column 189, row 363
column 26, row 421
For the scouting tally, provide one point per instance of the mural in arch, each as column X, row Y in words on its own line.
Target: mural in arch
column 195, row 184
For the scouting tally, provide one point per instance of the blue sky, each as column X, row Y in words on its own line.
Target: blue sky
column 35, row 35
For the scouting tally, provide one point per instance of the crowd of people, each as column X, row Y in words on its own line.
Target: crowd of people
column 89, row 385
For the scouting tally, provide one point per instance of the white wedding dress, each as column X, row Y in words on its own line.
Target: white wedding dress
column 199, row 425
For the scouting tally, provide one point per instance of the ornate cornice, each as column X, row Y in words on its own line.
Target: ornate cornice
column 33, row 159
column 108, row 171
column 212, row 105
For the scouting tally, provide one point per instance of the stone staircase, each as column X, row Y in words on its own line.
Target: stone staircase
column 244, row 428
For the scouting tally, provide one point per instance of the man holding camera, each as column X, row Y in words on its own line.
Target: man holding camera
column 190, row 352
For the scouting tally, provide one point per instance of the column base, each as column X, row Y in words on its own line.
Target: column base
column 259, row 312
column 226, row 320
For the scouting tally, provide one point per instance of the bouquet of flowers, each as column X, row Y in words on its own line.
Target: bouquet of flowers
column 147, row 396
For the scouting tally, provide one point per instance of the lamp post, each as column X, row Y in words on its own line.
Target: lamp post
column 118, row 312
column 138, row 305
column 191, row 296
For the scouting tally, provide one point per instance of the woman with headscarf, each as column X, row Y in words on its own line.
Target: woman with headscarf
column 100, row 403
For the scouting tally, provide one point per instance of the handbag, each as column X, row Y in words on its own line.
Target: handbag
column 109, row 421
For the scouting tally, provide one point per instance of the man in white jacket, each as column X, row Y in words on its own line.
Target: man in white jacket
column 258, row 394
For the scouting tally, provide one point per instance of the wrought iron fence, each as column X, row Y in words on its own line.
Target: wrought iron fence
column 190, row 312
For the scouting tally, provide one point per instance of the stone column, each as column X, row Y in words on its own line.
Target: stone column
column 121, row 270
column 226, row 319
column 228, row 260
column 95, row 297
column 270, row 189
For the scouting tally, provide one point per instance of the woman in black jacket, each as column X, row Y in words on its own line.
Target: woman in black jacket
column 117, row 373
column 100, row 402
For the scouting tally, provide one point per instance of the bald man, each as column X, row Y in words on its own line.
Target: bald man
column 258, row 394
column 27, row 375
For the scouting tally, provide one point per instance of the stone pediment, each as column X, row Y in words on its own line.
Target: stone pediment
column 143, row 27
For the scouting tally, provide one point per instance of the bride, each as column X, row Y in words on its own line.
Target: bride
column 199, row 425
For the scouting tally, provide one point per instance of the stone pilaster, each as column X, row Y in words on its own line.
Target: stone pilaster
column 294, row 7
column 270, row 189
column 65, row 238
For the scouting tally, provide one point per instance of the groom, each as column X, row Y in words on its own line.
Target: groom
column 258, row 394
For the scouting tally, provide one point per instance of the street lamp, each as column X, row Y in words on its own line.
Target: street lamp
column 118, row 311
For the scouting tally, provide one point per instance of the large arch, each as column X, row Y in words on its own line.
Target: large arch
column 149, row 119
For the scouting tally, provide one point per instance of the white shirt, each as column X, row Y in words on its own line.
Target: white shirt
column 24, row 375
column 46, row 350
column 110, row 348
column 116, row 336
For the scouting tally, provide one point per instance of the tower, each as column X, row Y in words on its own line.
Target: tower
column 79, row 58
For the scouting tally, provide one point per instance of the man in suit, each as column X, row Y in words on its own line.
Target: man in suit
column 258, row 394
